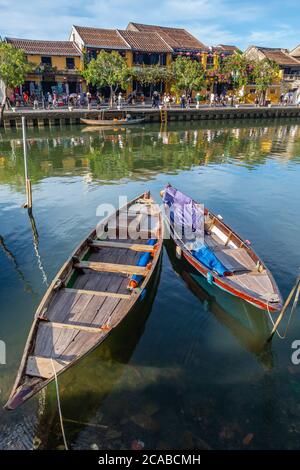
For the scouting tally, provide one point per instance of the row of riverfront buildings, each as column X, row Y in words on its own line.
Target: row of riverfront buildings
column 59, row 64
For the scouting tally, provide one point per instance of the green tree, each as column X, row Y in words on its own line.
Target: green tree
column 151, row 75
column 265, row 73
column 188, row 75
column 238, row 70
column 13, row 70
column 109, row 69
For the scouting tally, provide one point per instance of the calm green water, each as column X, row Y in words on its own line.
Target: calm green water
column 190, row 368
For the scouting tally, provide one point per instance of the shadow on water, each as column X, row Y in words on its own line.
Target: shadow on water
column 16, row 266
column 84, row 388
column 249, row 325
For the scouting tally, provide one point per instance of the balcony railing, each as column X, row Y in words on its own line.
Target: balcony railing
column 45, row 69
column 291, row 76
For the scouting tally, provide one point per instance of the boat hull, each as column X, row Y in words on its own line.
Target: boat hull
column 111, row 123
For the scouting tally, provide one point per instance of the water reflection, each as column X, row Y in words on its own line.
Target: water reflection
column 113, row 154
column 195, row 371
column 247, row 324
column 16, row 266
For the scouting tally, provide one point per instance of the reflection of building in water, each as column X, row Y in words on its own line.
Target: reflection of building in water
column 110, row 155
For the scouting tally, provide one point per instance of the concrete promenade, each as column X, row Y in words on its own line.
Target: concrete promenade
column 62, row 116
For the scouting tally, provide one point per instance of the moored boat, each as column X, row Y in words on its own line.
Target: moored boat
column 103, row 280
column 222, row 256
column 112, row 122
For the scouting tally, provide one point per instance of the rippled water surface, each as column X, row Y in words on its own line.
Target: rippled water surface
column 191, row 369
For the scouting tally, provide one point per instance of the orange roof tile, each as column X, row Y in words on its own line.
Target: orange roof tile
column 177, row 38
column 101, row 38
column 145, row 41
column 48, row 48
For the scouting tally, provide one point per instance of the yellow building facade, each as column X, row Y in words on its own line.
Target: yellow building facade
column 57, row 66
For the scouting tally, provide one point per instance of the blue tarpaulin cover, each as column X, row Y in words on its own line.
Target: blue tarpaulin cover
column 209, row 259
column 143, row 261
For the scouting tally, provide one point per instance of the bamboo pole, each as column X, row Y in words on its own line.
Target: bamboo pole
column 28, row 204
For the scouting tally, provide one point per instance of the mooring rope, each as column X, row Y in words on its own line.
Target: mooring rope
column 59, row 406
column 295, row 292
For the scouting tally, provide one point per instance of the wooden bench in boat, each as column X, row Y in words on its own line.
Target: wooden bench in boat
column 38, row 366
column 236, row 259
column 112, row 268
column 126, row 246
column 115, row 295
column 77, row 326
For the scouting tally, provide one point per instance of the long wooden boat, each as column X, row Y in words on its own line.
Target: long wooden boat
column 245, row 276
column 111, row 122
column 103, row 280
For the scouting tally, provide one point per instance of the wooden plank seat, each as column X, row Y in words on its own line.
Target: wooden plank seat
column 127, row 246
column 236, row 259
column 116, row 295
column 112, row 268
column 38, row 366
column 77, row 326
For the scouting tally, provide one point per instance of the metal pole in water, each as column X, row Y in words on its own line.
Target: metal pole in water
column 28, row 204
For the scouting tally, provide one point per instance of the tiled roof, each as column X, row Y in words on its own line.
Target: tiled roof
column 279, row 56
column 229, row 48
column 48, row 48
column 295, row 52
column 177, row 38
column 145, row 41
column 101, row 38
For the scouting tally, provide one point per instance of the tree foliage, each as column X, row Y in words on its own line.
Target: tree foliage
column 265, row 72
column 238, row 69
column 187, row 75
column 109, row 69
column 150, row 75
column 13, row 69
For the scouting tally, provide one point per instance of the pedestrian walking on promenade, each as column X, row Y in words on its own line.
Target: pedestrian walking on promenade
column 54, row 101
column 119, row 100
column 155, row 100
column 25, row 98
column 89, row 99
column 35, row 102
column 183, row 101
column 198, row 99
column 212, row 99
column 49, row 100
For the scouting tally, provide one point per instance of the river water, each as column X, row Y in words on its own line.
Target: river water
column 190, row 370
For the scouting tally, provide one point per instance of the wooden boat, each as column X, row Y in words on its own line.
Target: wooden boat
column 246, row 277
column 111, row 122
column 92, row 293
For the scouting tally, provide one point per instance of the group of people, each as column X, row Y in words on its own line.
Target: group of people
column 52, row 100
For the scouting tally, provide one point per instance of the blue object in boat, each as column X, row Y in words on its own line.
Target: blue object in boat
column 143, row 261
column 209, row 259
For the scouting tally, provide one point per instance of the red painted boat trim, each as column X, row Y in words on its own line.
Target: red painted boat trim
column 224, row 285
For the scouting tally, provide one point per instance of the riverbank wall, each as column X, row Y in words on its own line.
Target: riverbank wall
column 64, row 117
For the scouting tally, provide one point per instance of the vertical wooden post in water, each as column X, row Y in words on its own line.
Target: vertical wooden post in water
column 28, row 204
